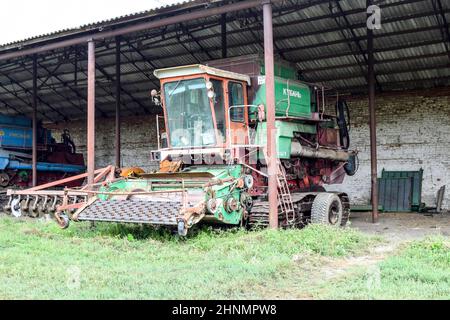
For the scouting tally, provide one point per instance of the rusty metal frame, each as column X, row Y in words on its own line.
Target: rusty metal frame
column 118, row 97
column 372, row 122
column 272, row 155
column 91, row 113
column 238, row 6
column 34, row 125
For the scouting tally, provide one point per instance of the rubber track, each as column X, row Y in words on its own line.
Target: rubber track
column 259, row 216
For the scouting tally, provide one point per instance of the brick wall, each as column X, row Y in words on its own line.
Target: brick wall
column 413, row 132
column 138, row 137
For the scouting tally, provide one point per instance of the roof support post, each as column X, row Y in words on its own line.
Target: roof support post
column 91, row 113
column 223, row 25
column 272, row 157
column 34, row 125
column 372, row 122
column 118, row 85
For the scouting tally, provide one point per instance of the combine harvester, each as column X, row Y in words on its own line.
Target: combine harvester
column 212, row 155
column 56, row 160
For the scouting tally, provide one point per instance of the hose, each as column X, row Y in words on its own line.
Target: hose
column 343, row 123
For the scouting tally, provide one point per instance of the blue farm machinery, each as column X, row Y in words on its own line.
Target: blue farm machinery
column 212, row 154
column 55, row 160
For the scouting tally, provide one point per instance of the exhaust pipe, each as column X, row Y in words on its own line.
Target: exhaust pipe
column 297, row 150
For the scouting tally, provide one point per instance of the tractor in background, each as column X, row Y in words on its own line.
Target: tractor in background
column 55, row 160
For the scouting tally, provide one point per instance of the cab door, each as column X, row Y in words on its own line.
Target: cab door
column 237, row 113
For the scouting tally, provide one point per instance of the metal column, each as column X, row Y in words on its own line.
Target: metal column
column 34, row 125
column 91, row 113
column 270, row 106
column 223, row 22
column 118, row 85
column 372, row 122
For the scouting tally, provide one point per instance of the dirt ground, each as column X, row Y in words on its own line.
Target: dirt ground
column 399, row 227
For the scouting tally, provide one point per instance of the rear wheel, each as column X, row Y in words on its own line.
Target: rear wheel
column 327, row 209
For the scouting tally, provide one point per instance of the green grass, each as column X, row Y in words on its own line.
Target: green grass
column 40, row 261
column 420, row 270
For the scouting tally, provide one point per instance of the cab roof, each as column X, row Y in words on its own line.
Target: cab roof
column 192, row 69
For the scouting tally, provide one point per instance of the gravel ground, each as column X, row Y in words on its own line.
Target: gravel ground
column 402, row 226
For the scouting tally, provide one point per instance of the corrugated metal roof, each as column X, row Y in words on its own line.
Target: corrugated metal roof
column 102, row 23
column 327, row 45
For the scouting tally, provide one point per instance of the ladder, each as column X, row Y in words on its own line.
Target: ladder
column 284, row 195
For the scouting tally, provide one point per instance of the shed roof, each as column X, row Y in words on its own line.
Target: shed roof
column 325, row 39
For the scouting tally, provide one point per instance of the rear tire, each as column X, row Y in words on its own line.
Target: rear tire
column 327, row 209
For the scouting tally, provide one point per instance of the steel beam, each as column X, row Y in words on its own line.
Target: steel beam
column 146, row 58
column 28, row 91
column 272, row 155
column 191, row 16
column 91, row 113
column 34, row 125
column 223, row 34
column 372, row 122
column 355, row 40
column 444, row 30
column 118, row 90
column 52, row 89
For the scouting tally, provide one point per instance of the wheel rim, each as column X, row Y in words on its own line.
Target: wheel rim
column 333, row 212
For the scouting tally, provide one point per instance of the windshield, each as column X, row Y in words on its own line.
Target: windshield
column 189, row 113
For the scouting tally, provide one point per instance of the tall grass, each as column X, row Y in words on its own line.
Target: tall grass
column 420, row 270
column 38, row 260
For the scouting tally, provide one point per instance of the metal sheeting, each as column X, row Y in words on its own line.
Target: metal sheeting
column 395, row 194
column 326, row 39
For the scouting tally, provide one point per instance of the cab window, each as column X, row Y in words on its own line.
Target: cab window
column 219, row 105
column 236, row 98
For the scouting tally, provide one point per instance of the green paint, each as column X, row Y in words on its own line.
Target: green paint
column 292, row 98
column 223, row 191
column 281, row 70
column 284, row 133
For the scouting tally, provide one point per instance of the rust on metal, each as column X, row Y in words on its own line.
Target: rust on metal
column 118, row 96
column 372, row 123
column 270, row 107
column 91, row 113
column 34, row 125
column 100, row 36
column 52, row 184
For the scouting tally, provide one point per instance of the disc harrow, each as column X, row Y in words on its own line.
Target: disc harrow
column 53, row 198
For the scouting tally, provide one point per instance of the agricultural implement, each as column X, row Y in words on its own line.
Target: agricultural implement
column 212, row 155
column 56, row 160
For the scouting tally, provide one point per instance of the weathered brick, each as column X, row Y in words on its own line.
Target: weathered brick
column 413, row 132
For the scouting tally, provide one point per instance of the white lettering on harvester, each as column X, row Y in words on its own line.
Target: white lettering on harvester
column 292, row 93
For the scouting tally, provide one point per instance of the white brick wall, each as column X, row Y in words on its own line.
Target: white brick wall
column 413, row 132
column 138, row 138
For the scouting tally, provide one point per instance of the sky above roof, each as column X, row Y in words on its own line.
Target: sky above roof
column 21, row 19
